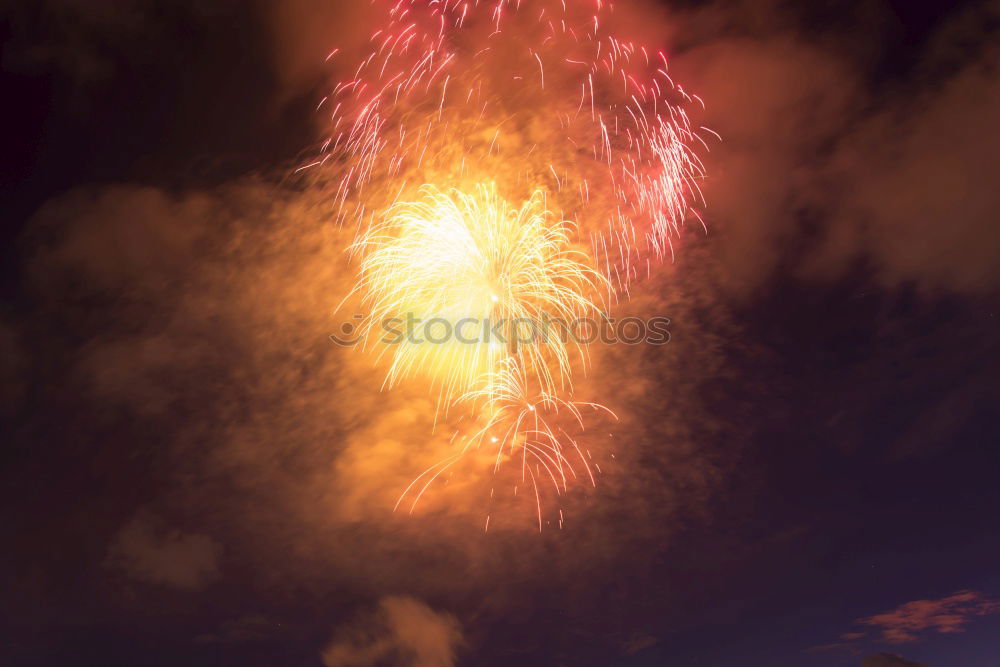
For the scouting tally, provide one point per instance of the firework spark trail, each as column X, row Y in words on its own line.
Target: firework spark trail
column 477, row 148
column 522, row 93
column 472, row 262
column 519, row 423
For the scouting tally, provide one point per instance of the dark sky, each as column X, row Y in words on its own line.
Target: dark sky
column 806, row 475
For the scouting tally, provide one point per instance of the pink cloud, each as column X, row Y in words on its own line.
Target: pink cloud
column 945, row 615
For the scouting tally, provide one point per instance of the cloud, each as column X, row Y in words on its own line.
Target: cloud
column 949, row 614
column 79, row 36
column 216, row 306
column 916, row 196
column 401, row 631
column 305, row 32
column 910, row 621
column 87, row 40
column 246, row 628
column 822, row 171
column 639, row 642
column 147, row 552
column 888, row 660
column 127, row 238
column 775, row 100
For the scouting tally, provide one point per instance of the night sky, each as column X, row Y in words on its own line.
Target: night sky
column 807, row 475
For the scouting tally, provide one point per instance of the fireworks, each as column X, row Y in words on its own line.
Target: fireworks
column 505, row 160
column 486, row 273
column 528, row 93
column 519, row 425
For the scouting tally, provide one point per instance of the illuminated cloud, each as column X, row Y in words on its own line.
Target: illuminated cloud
column 816, row 175
column 146, row 551
column 639, row 642
column 949, row 614
column 918, row 200
column 401, row 631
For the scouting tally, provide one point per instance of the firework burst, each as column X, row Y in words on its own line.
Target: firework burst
column 467, row 279
column 505, row 159
column 528, row 93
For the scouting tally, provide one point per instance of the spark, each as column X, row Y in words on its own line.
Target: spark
column 472, row 279
column 521, row 425
column 643, row 143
